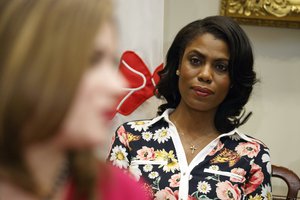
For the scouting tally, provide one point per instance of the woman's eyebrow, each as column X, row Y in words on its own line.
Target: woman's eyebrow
column 198, row 53
column 195, row 52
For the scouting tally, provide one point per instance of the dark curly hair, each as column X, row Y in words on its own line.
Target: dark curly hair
column 242, row 76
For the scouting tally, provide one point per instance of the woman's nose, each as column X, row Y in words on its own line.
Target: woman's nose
column 117, row 82
column 205, row 74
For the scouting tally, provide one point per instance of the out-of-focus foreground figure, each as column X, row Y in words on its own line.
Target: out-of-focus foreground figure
column 57, row 86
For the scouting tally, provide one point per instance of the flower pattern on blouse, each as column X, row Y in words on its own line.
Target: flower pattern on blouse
column 234, row 166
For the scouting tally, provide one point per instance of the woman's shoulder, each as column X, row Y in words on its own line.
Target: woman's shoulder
column 142, row 125
column 245, row 144
column 241, row 137
column 112, row 184
column 249, row 145
column 120, row 186
column 257, row 141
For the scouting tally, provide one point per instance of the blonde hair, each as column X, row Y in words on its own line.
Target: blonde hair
column 45, row 48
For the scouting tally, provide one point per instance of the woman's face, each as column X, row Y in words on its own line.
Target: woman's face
column 87, row 122
column 204, row 78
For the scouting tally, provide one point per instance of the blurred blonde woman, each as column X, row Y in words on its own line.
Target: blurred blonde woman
column 57, row 84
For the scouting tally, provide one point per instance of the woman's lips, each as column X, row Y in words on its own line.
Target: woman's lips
column 108, row 115
column 202, row 91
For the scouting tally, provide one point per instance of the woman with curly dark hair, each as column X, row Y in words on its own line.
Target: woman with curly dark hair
column 193, row 149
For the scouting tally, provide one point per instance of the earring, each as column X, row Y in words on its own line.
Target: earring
column 177, row 72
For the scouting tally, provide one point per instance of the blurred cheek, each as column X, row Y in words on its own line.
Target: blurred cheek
column 87, row 123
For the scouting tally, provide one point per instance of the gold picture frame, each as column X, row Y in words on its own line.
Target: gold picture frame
column 277, row 13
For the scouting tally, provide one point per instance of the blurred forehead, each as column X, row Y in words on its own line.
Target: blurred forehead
column 106, row 36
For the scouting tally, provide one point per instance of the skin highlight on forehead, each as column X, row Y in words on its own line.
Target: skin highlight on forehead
column 221, row 51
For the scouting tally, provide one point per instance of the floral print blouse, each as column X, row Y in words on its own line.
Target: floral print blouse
column 233, row 166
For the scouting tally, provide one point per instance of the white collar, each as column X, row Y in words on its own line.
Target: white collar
column 168, row 111
column 164, row 115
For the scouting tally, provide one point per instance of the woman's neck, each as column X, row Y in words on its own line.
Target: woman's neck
column 192, row 121
column 45, row 162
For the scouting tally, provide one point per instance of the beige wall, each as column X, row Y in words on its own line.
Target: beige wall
column 276, row 99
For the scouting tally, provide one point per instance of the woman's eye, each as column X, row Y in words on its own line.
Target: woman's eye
column 195, row 61
column 222, row 67
column 95, row 59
